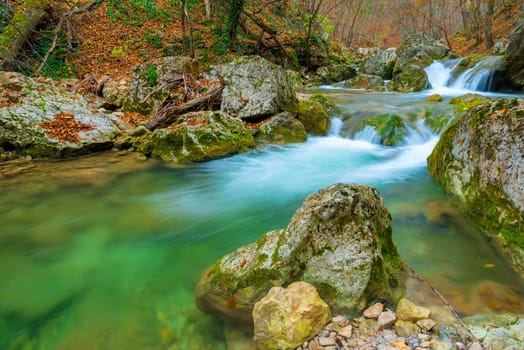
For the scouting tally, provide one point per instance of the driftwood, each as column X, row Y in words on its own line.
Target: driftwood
column 169, row 112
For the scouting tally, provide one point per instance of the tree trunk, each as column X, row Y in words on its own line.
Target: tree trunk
column 489, row 18
column 18, row 31
column 207, row 4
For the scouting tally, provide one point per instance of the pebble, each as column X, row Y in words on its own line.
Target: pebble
column 374, row 311
column 386, row 320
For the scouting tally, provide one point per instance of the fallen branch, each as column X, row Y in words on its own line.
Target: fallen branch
column 415, row 275
column 169, row 113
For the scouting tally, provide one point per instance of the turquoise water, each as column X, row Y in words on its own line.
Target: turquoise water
column 104, row 252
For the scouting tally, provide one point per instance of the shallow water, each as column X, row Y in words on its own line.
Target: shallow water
column 104, row 252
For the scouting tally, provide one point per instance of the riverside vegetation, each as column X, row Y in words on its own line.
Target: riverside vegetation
column 300, row 286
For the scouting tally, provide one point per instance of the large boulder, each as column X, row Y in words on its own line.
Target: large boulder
column 41, row 120
column 314, row 117
column 152, row 83
column 515, row 54
column 339, row 241
column 282, row 128
column 335, row 73
column 255, row 88
column 480, row 160
column 409, row 78
column 206, row 136
column 380, row 62
column 287, row 317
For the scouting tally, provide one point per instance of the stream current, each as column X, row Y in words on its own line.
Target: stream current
column 104, row 252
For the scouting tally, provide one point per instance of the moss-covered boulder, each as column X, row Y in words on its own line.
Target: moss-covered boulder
column 329, row 106
column 339, row 241
column 380, row 63
column 255, row 88
column 390, row 128
column 365, row 81
column 206, row 136
column 335, row 72
column 480, row 160
column 314, row 117
column 152, row 83
column 287, row 317
column 41, row 120
column 409, row 78
column 282, row 128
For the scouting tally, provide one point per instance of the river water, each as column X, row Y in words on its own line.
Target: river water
column 104, row 252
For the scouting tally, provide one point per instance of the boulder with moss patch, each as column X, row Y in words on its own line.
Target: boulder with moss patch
column 365, row 81
column 339, row 241
column 282, row 128
column 329, row 106
column 314, row 117
column 41, row 120
column 335, row 73
column 480, row 159
column 380, row 63
column 409, row 78
column 389, row 128
column 206, row 136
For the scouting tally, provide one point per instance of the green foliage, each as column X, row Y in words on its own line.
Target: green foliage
column 56, row 65
column 132, row 12
column 151, row 75
column 6, row 13
column 155, row 39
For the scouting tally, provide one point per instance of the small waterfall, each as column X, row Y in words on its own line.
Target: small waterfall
column 336, row 127
column 480, row 76
column 367, row 134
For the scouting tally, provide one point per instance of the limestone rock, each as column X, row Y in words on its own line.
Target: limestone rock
column 314, row 118
column 150, row 82
column 115, row 93
column 515, row 54
column 480, row 160
column 409, row 78
column 405, row 328
column 374, row 311
column 286, row 317
column 283, row 128
column 335, row 73
column 407, row 311
column 255, row 88
column 365, row 81
column 340, row 231
column 380, row 63
column 204, row 137
column 426, row 325
column 386, row 319
column 28, row 106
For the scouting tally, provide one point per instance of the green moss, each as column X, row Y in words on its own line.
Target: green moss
column 314, row 117
column 467, row 102
column 389, row 127
column 331, row 108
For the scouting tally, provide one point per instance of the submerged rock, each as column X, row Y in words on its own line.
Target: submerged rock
column 480, row 160
column 286, row 317
column 340, row 231
column 255, row 88
column 41, row 120
column 206, row 136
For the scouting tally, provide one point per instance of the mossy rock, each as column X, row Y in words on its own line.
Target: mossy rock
column 329, row 106
column 203, row 137
column 409, row 78
column 366, row 81
column 479, row 159
column 389, row 127
column 434, row 98
column 467, row 102
column 314, row 117
column 284, row 128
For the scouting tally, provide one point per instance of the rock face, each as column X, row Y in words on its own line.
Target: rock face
column 255, row 88
column 204, row 137
column 380, row 62
column 314, row 117
column 480, row 159
column 515, row 54
column 414, row 53
column 31, row 115
column 283, row 128
column 150, row 82
column 339, row 241
column 285, row 318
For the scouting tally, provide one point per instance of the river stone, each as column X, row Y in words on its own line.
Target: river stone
column 380, row 63
column 480, row 160
column 407, row 311
column 374, row 311
column 286, row 317
column 339, row 240
column 255, row 88
column 365, row 81
column 314, row 118
column 335, row 73
column 283, row 128
column 26, row 104
column 515, row 54
column 150, row 82
column 405, row 328
column 386, row 319
column 207, row 136
column 409, row 78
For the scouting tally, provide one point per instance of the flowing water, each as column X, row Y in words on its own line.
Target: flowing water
column 104, row 252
